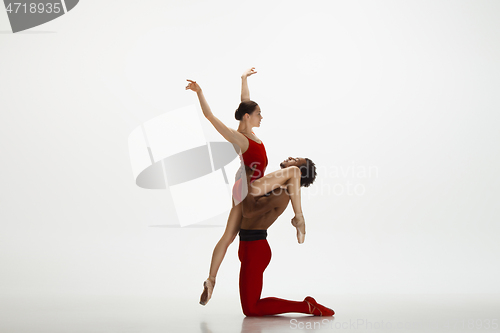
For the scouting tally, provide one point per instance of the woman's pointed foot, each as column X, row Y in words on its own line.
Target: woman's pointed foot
column 317, row 309
column 208, row 288
column 299, row 223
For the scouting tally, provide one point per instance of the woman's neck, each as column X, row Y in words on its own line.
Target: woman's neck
column 243, row 128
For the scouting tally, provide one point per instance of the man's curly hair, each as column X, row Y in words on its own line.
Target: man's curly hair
column 308, row 173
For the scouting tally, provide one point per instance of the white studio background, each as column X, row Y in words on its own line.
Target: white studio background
column 396, row 102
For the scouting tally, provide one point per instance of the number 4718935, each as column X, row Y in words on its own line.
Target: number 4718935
column 33, row 8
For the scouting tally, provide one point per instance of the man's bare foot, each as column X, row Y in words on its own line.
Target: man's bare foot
column 208, row 288
column 299, row 223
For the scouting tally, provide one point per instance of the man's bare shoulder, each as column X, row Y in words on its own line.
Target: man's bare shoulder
column 279, row 191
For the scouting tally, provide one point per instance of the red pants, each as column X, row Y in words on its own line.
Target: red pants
column 255, row 256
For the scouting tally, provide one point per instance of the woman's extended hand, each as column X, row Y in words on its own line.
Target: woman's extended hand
column 249, row 72
column 192, row 85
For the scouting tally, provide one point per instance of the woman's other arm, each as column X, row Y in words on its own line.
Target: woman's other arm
column 245, row 93
column 229, row 134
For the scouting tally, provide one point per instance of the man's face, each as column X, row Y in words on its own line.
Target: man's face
column 293, row 161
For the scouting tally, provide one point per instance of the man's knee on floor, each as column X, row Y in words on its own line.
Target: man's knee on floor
column 250, row 311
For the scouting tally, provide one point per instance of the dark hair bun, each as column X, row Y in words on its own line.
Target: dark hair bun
column 244, row 107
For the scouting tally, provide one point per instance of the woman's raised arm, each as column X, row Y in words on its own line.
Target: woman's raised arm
column 229, row 134
column 245, row 93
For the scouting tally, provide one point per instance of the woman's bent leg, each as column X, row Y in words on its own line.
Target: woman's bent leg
column 294, row 191
column 291, row 177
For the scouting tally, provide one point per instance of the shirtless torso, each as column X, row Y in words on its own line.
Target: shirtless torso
column 261, row 212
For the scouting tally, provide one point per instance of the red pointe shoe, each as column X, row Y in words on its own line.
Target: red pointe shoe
column 208, row 288
column 317, row 309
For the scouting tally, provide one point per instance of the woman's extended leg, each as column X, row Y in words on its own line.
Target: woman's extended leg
column 232, row 228
column 288, row 176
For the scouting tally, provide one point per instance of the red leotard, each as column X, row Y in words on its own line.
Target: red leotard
column 254, row 156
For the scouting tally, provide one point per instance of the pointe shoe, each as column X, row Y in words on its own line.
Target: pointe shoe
column 317, row 309
column 300, row 235
column 208, row 288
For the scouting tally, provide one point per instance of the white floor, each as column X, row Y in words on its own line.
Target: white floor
column 354, row 313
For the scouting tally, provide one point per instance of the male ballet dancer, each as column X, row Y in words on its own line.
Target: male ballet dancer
column 259, row 213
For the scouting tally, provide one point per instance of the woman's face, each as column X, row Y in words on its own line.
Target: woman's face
column 255, row 118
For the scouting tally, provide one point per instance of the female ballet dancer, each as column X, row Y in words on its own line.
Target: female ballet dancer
column 254, row 156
